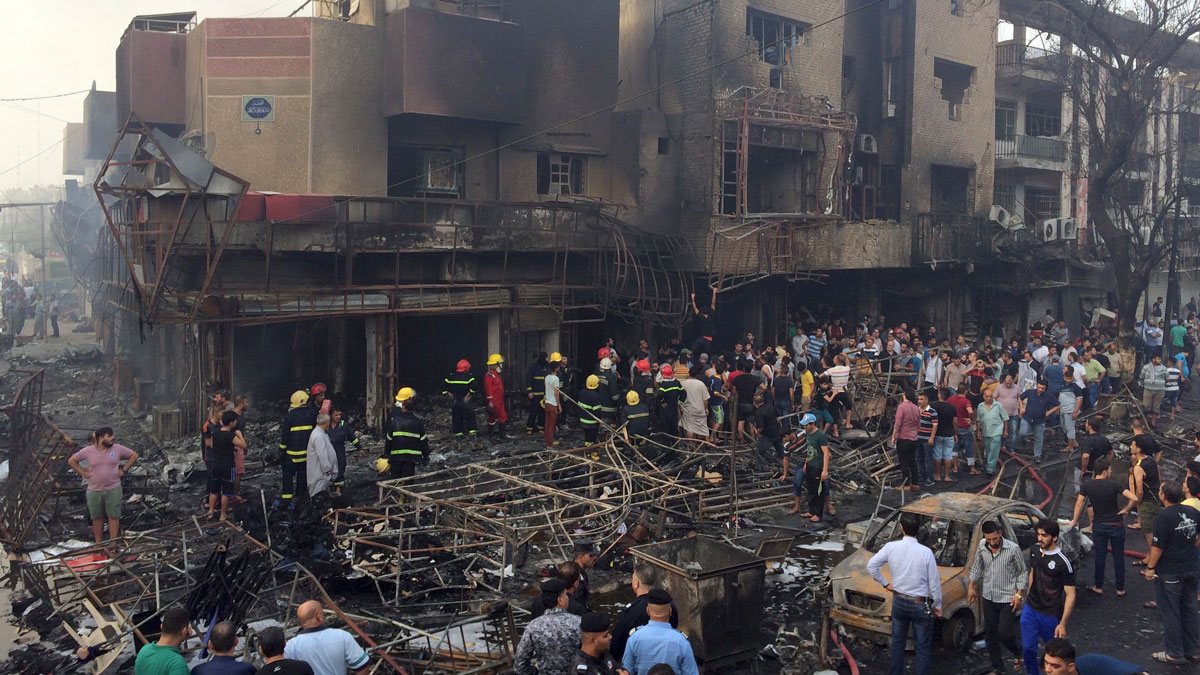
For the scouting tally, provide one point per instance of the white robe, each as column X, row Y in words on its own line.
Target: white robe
column 321, row 461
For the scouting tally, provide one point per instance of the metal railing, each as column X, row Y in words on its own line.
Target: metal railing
column 1014, row 54
column 947, row 237
column 1032, row 147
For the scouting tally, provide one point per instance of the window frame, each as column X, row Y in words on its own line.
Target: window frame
column 558, row 169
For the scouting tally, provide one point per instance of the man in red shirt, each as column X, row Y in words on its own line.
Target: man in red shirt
column 904, row 439
column 963, row 427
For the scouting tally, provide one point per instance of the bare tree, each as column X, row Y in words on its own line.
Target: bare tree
column 1121, row 63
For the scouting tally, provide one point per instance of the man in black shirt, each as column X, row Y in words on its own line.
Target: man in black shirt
column 746, row 385
column 1051, row 594
column 1108, row 521
column 270, row 644
column 593, row 657
column 766, row 423
column 1175, row 570
column 1094, row 445
column 704, row 325
column 634, row 616
column 943, row 441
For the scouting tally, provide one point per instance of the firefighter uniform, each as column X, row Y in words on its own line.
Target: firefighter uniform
column 405, row 441
column 493, row 390
column 635, row 415
column 460, row 385
column 670, row 395
column 607, row 384
column 294, row 430
column 535, row 389
column 643, row 384
column 590, row 402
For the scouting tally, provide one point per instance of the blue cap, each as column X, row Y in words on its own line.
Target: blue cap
column 808, row 419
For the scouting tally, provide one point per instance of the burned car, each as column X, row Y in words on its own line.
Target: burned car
column 950, row 526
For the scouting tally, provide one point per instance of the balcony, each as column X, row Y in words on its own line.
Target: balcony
column 1031, row 152
column 941, row 238
column 1025, row 64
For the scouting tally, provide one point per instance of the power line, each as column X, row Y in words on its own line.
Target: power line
column 31, row 111
column 41, row 152
column 678, row 80
column 40, row 98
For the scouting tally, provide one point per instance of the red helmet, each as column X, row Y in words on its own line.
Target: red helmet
column 667, row 371
column 318, row 388
column 603, row 353
column 463, row 364
column 643, row 366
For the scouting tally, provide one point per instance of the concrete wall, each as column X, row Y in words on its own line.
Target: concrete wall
column 150, row 72
column 337, row 146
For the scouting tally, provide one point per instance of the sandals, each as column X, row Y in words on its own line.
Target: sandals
column 1162, row 657
column 1150, row 605
column 1138, row 563
column 1120, row 594
column 1096, row 589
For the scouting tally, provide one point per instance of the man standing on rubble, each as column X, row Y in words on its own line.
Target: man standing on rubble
column 493, row 391
column 634, row 616
column 340, row 433
column 551, row 640
column 329, row 651
column 222, row 642
column 589, row 409
column 535, row 386
column 294, row 430
column 163, row 657
column 670, row 395
column 551, row 403
column 460, row 387
column 657, row 642
column 404, row 441
column 916, row 592
column 322, row 460
column 103, row 474
column 586, row 555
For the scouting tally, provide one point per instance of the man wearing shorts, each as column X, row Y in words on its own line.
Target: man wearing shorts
column 103, row 474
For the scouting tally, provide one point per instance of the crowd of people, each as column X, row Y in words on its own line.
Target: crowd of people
column 20, row 303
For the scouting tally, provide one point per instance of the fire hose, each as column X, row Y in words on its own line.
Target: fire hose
column 845, row 652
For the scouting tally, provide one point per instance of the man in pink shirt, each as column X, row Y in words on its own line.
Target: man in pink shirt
column 1008, row 395
column 103, row 474
column 904, row 439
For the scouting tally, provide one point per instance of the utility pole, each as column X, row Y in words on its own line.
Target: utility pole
column 45, row 261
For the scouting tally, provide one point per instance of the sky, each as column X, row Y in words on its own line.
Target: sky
column 52, row 47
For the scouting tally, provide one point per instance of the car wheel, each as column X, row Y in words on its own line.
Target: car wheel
column 958, row 629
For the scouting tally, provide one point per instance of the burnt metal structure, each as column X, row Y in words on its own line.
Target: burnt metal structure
column 37, row 453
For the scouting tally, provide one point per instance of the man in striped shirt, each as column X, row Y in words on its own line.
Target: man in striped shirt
column 816, row 342
column 1000, row 569
column 1171, row 393
column 925, row 434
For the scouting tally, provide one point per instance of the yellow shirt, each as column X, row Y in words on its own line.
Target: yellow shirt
column 1193, row 502
column 806, row 383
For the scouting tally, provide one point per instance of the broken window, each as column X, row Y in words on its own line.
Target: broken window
column 1043, row 119
column 415, row 171
column 560, row 174
column 955, row 79
column 1041, row 203
column 956, row 7
column 950, row 189
column 892, row 86
column 664, row 145
column 780, row 170
column 775, row 35
column 1189, row 127
column 1005, row 194
column 1006, row 120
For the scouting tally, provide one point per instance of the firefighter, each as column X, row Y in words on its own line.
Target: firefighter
column 607, row 378
column 590, row 400
column 294, row 430
column 535, row 389
column 405, row 439
column 643, row 383
column 460, row 386
column 316, row 397
column 340, row 433
column 670, row 395
column 493, row 390
column 636, row 416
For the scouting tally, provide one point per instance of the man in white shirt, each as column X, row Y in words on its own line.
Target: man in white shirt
column 916, row 593
column 329, row 651
column 322, row 460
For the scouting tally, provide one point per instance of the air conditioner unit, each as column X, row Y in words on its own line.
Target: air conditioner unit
column 868, row 144
column 999, row 215
column 1068, row 229
column 1049, row 229
column 1015, row 222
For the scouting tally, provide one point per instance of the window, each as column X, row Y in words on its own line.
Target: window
column 955, row 83
column 1005, row 194
column 1042, row 203
column 950, row 189
column 1189, row 127
column 956, row 7
column 892, row 86
column 1006, row 120
column 1024, row 528
column 1042, row 119
column 664, row 145
column 560, row 174
column 849, row 74
column 415, row 171
column 775, row 35
column 949, row 539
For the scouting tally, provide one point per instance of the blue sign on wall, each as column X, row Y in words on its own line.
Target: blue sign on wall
column 258, row 108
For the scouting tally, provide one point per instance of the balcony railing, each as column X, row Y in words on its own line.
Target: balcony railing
column 1025, row 56
column 1032, row 147
column 947, row 237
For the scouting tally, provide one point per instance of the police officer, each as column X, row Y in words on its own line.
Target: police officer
column 590, row 402
column 593, row 657
column 294, row 430
column 636, row 416
column 460, row 387
column 340, row 432
column 535, row 389
column 405, row 438
column 670, row 395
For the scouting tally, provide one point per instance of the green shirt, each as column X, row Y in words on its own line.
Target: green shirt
column 1177, row 333
column 1093, row 371
column 991, row 420
column 816, row 456
column 156, row 659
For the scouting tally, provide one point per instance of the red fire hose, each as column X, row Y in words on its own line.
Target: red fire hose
column 845, row 652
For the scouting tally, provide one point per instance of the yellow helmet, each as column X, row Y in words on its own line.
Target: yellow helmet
column 593, row 382
column 495, row 359
column 405, row 394
column 299, row 398
column 632, row 398
column 382, row 464
column 555, row 357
